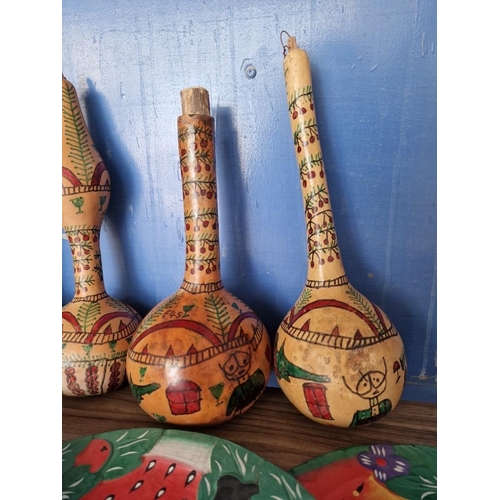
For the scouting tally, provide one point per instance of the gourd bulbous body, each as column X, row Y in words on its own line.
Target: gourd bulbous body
column 338, row 357
column 96, row 328
column 201, row 356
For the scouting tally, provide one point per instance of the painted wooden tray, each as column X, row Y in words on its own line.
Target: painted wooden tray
column 374, row 472
column 149, row 464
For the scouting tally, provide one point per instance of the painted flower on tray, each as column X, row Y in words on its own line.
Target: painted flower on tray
column 384, row 463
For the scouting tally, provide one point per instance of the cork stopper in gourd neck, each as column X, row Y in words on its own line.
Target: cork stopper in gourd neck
column 195, row 101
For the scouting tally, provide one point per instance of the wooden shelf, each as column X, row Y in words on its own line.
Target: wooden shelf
column 272, row 428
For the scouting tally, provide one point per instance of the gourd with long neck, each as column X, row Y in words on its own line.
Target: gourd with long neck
column 201, row 356
column 338, row 357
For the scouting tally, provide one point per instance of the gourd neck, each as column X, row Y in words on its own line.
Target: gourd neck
column 324, row 259
column 199, row 189
column 86, row 254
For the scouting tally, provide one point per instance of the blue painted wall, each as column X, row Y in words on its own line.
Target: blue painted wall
column 374, row 76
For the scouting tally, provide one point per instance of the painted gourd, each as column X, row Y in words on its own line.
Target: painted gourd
column 96, row 328
column 338, row 357
column 201, row 356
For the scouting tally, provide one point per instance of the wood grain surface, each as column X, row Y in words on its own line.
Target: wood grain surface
column 272, row 428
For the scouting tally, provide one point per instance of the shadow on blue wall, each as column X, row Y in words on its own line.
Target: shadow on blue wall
column 239, row 275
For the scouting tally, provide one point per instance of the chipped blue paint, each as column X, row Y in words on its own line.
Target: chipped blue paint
column 374, row 75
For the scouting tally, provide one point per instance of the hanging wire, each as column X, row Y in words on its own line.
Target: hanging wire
column 283, row 44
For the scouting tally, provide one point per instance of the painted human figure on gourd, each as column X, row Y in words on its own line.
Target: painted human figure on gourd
column 96, row 328
column 201, row 356
column 334, row 347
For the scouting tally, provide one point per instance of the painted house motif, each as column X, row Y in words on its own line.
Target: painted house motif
column 184, row 397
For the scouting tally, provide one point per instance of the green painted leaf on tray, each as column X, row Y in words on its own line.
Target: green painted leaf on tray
column 422, row 481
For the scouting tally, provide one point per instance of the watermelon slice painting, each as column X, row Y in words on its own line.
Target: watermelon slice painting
column 149, row 464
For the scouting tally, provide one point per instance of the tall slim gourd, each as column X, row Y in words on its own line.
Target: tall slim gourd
column 338, row 357
column 201, row 356
column 96, row 328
